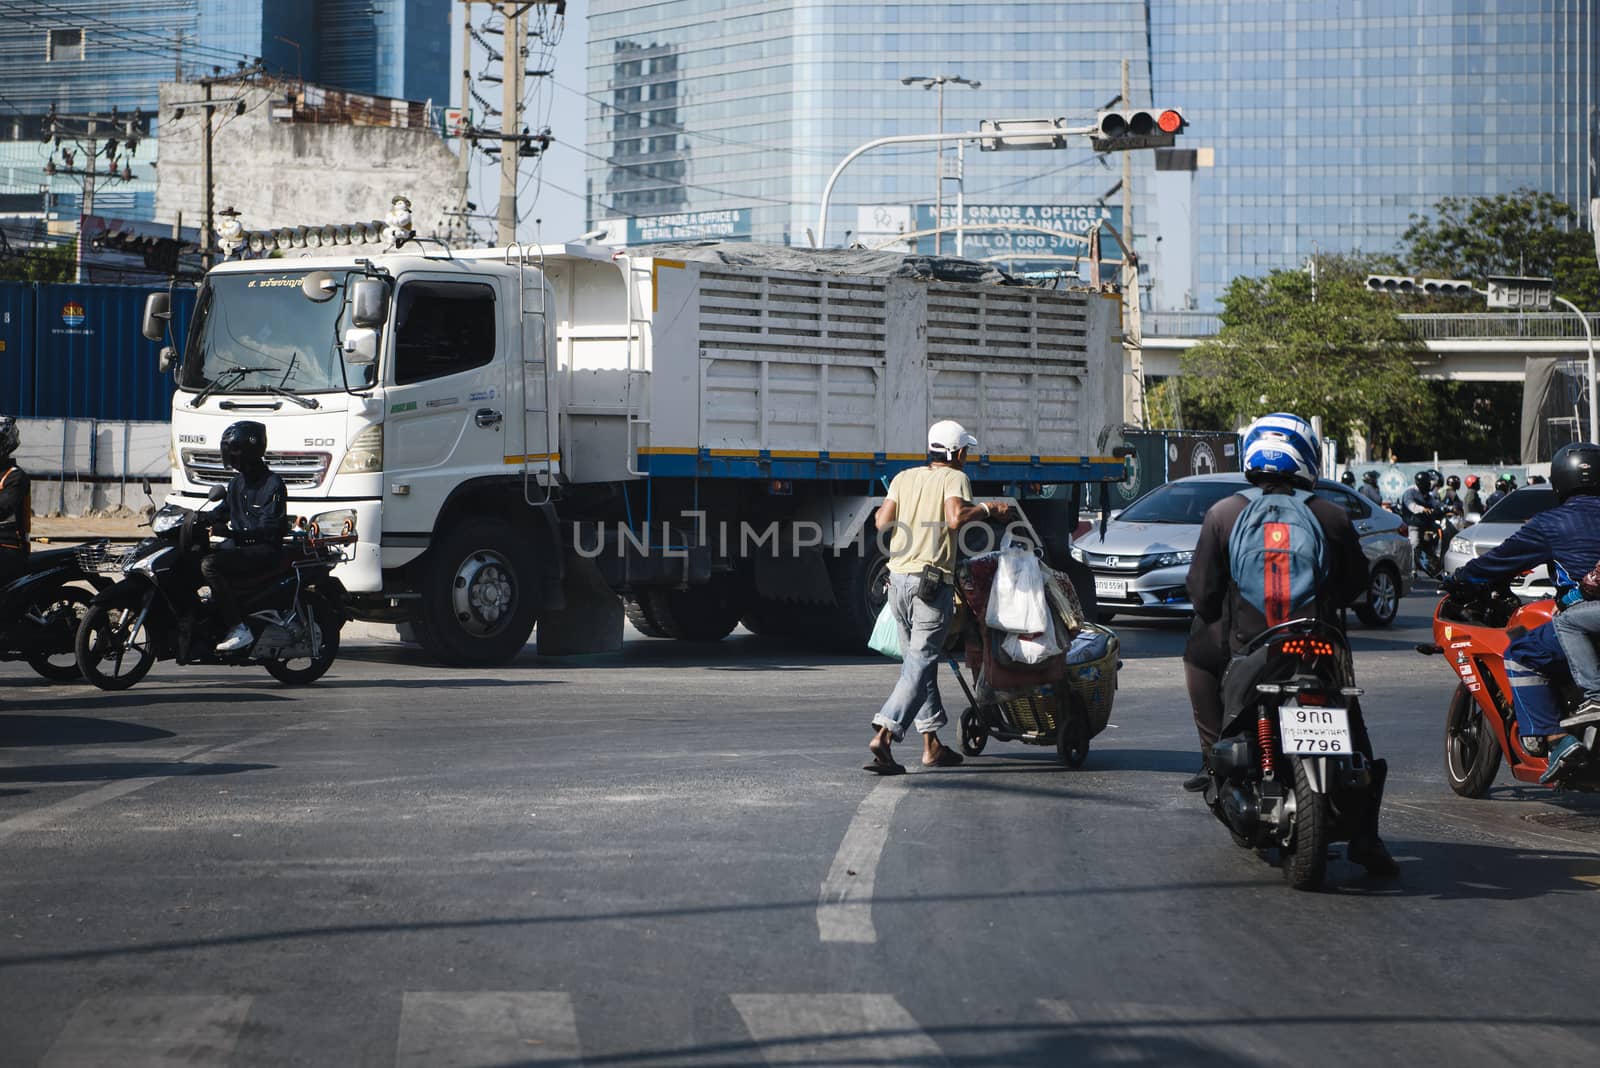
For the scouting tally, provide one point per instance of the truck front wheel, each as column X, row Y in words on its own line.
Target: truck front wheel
column 705, row 613
column 478, row 593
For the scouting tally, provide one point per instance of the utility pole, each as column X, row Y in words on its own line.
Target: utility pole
column 464, row 167
column 207, row 204
column 1133, row 339
column 511, row 119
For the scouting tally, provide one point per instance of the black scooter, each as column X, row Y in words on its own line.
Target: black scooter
column 1286, row 775
column 156, row 611
column 40, row 611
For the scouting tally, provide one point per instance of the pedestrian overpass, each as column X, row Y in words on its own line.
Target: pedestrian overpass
column 1465, row 348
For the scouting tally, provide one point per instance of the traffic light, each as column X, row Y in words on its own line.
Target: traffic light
column 1130, row 128
column 1446, row 287
column 1507, row 291
column 1392, row 284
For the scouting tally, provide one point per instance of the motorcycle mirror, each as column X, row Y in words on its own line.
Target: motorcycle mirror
column 217, row 493
column 148, row 496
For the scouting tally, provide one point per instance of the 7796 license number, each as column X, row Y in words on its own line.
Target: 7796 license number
column 1314, row 731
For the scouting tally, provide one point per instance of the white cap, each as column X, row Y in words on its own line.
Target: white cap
column 949, row 437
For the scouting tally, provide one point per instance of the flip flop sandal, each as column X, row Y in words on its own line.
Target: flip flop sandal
column 879, row 767
column 947, row 758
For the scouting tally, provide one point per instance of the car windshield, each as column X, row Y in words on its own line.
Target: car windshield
column 1179, row 502
column 259, row 332
column 1521, row 506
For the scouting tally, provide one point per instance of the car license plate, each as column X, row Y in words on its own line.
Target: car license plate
column 1311, row 731
column 1110, row 587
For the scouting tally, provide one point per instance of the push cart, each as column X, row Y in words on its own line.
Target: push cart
column 1064, row 701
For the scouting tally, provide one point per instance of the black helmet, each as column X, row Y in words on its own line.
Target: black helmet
column 10, row 436
column 1503, row 482
column 1454, row 482
column 1348, row 478
column 1370, row 478
column 1424, row 480
column 1576, row 469
column 244, row 444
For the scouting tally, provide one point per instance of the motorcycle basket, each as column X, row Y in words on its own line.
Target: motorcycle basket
column 104, row 558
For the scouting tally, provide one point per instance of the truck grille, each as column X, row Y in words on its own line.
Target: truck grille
column 297, row 469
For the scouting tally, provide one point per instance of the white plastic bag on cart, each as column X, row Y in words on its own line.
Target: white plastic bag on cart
column 1017, row 602
column 1033, row 648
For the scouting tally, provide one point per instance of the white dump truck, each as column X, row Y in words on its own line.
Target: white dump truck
column 693, row 436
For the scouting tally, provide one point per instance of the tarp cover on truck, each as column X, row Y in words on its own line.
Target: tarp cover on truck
column 860, row 262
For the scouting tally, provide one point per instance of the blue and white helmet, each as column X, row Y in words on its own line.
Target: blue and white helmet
column 1281, row 445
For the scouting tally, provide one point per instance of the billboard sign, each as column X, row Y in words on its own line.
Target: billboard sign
column 727, row 224
column 1058, row 220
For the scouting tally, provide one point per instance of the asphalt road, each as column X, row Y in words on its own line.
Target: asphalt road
column 672, row 857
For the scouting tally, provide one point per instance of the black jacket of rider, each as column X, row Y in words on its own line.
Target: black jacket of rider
column 1211, row 579
column 1417, row 508
column 15, row 509
column 258, row 509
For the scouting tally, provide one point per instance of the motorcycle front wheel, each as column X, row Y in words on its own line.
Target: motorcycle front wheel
column 302, row 671
column 1305, row 858
column 110, row 655
column 63, row 612
column 1471, row 750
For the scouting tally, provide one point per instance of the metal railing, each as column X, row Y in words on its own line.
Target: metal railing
column 1545, row 326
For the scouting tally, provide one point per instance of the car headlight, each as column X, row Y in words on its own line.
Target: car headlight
column 1076, row 553
column 365, row 454
column 1174, row 559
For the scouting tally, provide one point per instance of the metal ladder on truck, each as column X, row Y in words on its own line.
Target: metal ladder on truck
column 640, row 277
column 539, row 314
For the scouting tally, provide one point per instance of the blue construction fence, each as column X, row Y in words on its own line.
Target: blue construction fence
column 71, row 351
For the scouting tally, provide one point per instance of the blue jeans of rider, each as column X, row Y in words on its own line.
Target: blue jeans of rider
column 923, row 627
column 1577, row 627
column 1530, row 661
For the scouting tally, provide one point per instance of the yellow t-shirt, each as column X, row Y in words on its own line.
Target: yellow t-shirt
column 921, row 538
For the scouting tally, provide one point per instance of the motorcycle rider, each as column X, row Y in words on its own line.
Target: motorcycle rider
column 1567, row 535
column 1502, row 486
column 16, row 509
column 1280, row 454
column 1451, row 504
column 1348, row 478
column 1420, row 509
column 1470, row 501
column 258, row 519
column 1369, row 488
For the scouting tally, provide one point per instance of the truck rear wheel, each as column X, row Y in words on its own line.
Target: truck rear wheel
column 705, row 613
column 642, row 616
column 478, row 593
column 860, row 579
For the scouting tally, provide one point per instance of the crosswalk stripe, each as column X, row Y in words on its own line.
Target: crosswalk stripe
column 844, row 905
column 835, row 1029
column 487, row 1028
column 149, row 1032
column 1127, row 1030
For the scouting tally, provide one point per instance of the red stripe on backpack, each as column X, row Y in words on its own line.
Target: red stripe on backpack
column 1277, row 574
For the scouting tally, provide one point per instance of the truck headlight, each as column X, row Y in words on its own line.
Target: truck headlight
column 365, row 454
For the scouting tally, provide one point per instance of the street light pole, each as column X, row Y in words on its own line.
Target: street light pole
column 938, row 83
column 1594, row 402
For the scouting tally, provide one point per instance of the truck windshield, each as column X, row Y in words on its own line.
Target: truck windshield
column 264, row 323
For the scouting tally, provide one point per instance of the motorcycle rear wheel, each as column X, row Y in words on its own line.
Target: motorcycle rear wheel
column 1471, row 752
column 71, row 599
column 306, row 670
column 103, row 643
column 1305, row 859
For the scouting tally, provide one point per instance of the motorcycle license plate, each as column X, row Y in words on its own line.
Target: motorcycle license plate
column 1110, row 587
column 1312, row 731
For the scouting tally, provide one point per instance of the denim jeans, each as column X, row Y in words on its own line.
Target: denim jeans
column 1576, row 628
column 922, row 632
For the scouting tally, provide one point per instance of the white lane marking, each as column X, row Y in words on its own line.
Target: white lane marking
column 844, row 907
column 149, row 1032
column 45, row 815
column 1131, row 1031
column 487, row 1028
column 835, row 1029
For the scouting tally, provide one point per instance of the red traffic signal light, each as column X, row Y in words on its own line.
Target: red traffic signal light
column 1169, row 121
column 1129, row 128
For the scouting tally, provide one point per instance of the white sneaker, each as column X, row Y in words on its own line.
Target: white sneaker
column 238, row 638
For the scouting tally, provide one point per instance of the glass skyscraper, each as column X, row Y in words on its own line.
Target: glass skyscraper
column 747, row 105
column 1322, row 124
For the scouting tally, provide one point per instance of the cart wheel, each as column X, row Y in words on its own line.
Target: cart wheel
column 973, row 733
column 1072, row 740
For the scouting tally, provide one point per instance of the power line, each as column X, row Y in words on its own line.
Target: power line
column 679, row 182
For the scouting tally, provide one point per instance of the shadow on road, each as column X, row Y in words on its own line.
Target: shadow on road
column 24, row 730
column 117, row 771
column 94, row 699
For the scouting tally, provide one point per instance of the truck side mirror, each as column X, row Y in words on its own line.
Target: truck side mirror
column 369, row 300
column 168, row 359
column 157, row 313
column 360, row 346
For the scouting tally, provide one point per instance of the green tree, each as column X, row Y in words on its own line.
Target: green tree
column 57, row 263
column 1521, row 233
column 1344, row 356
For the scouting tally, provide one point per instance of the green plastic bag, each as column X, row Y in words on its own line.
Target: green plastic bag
column 886, row 635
